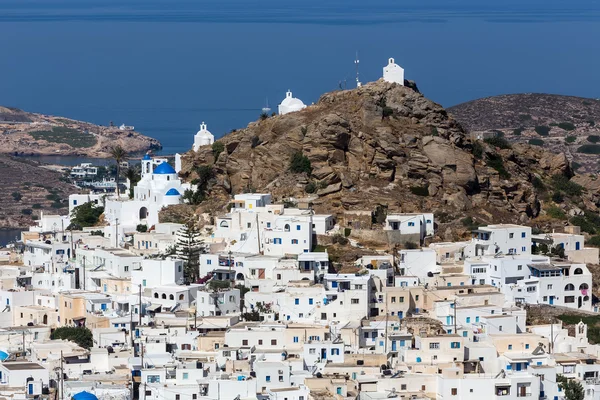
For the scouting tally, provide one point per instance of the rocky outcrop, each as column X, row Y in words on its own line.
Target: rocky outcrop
column 23, row 133
column 380, row 144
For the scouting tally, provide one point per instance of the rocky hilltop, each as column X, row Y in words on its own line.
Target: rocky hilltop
column 382, row 144
column 557, row 123
column 24, row 133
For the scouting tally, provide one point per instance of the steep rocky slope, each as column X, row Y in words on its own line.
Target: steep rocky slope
column 30, row 189
column 24, row 133
column 557, row 123
column 381, row 144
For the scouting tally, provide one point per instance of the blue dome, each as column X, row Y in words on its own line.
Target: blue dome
column 84, row 396
column 147, row 157
column 173, row 192
column 3, row 355
column 164, row 169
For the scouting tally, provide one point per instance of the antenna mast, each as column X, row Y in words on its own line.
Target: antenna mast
column 357, row 62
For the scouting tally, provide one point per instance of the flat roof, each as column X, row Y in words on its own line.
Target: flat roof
column 19, row 366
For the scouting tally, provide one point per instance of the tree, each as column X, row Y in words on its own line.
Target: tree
column 78, row 334
column 572, row 389
column 188, row 248
column 217, row 148
column 205, row 174
column 134, row 177
column 118, row 154
column 85, row 215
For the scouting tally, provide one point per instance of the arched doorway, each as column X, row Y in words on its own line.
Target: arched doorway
column 579, row 302
column 239, row 277
column 143, row 213
column 45, row 319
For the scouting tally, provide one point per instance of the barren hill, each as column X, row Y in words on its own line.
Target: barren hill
column 382, row 144
column 557, row 123
column 24, row 133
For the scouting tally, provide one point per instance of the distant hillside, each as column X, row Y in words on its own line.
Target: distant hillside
column 558, row 123
column 385, row 144
column 30, row 189
column 25, row 133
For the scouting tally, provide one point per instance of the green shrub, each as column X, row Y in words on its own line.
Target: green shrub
column 469, row 223
column 477, row 150
column 518, row 131
column 16, row 196
column 27, row 211
column 570, row 139
column 69, row 136
column 592, row 122
column 411, row 246
column 310, row 187
column 542, row 130
column 562, row 183
column 556, row 213
column 589, row 149
column 524, row 117
column 536, row 142
column 575, row 165
column 594, row 241
column 557, row 197
column 340, row 239
column 538, row 184
column 498, row 142
column 434, row 131
column 80, row 335
column 420, row 190
column 593, row 138
column 567, row 126
column 495, row 161
column 589, row 222
column 141, row 228
column 217, row 148
column 36, row 206
column 299, row 163
column 263, row 116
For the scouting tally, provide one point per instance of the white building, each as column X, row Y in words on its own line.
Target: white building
column 290, row 104
column 503, row 238
column 217, row 303
column 158, row 187
column 203, row 137
column 84, row 170
column 411, row 224
column 393, row 73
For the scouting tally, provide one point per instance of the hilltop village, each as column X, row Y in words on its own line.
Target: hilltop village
column 250, row 305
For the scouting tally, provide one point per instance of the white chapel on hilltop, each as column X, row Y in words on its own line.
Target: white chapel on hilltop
column 393, row 73
column 203, row 137
column 290, row 104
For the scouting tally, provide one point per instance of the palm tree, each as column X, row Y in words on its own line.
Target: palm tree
column 119, row 154
column 133, row 175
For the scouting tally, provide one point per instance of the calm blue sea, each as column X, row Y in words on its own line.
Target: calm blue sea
column 166, row 66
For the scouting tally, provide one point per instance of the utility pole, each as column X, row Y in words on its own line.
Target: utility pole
column 23, row 343
column 455, row 317
column 258, row 234
column 551, row 335
column 140, row 307
column 385, row 339
column 229, row 263
column 83, row 272
column 142, row 352
column 131, row 324
column 117, row 232
column 62, row 378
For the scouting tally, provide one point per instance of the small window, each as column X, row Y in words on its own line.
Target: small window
column 511, row 235
column 296, row 301
column 434, row 345
column 245, row 342
column 510, row 346
column 455, row 390
column 354, row 301
column 268, row 378
column 260, row 342
column 523, row 234
column 273, row 342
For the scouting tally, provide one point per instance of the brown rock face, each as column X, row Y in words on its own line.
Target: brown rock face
column 380, row 144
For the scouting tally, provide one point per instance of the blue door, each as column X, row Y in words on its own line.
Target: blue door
column 518, row 365
column 393, row 345
column 339, row 391
column 323, row 354
column 30, row 391
column 576, row 245
column 551, row 299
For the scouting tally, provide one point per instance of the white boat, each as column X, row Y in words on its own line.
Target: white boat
column 124, row 127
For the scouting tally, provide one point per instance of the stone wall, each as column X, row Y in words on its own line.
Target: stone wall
column 381, row 236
